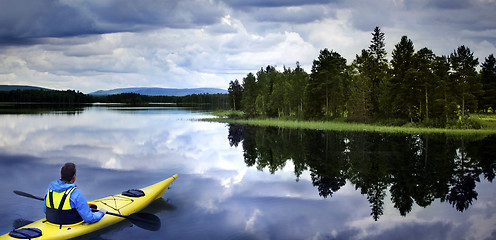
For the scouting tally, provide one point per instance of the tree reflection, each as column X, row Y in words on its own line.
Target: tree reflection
column 465, row 174
column 417, row 169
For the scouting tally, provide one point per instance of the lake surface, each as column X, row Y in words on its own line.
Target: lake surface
column 241, row 182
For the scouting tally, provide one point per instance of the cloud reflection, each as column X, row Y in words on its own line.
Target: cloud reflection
column 263, row 211
column 114, row 140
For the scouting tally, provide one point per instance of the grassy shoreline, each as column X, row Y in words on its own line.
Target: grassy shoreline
column 488, row 121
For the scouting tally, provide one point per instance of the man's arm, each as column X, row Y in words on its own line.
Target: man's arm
column 79, row 202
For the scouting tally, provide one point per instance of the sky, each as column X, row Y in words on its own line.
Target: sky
column 90, row 45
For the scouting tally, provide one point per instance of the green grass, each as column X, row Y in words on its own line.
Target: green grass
column 230, row 114
column 487, row 121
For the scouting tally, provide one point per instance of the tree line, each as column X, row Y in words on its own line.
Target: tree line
column 216, row 101
column 415, row 86
column 45, row 96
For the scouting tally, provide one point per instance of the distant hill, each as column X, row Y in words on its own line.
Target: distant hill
column 160, row 91
column 143, row 91
column 21, row 87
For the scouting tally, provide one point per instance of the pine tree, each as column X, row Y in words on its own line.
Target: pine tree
column 464, row 75
column 377, row 47
column 488, row 80
column 250, row 93
column 279, row 99
column 444, row 105
column 297, row 80
column 423, row 61
column 264, row 86
column 326, row 87
column 360, row 102
column 235, row 94
column 378, row 67
column 403, row 91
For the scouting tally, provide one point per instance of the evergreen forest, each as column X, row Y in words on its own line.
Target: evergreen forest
column 414, row 87
column 214, row 101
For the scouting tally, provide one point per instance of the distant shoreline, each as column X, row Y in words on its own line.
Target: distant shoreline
column 488, row 121
column 148, row 91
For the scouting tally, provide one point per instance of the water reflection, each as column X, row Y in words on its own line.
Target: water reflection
column 415, row 169
column 218, row 197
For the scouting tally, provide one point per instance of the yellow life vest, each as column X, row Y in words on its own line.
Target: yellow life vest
column 58, row 207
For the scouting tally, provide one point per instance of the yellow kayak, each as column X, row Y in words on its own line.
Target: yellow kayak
column 124, row 204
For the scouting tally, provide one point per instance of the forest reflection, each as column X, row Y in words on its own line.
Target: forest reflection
column 413, row 168
column 40, row 108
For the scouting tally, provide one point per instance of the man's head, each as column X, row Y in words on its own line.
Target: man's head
column 68, row 172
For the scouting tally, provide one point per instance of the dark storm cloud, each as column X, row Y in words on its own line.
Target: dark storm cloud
column 150, row 13
column 27, row 21
column 436, row 230
column 274, row 3
column 414, row 230
column 22, row 21
column 462, row 14
column 283, row 11
column 493, row 236
column 450, row 4
column 438, row 18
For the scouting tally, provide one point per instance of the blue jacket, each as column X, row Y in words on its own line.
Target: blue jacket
column 77, row 200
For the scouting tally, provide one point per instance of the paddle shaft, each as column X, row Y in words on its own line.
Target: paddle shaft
column 114, row 214
column 28, row 195
column 144, row 220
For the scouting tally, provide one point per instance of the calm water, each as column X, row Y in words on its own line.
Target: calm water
column 239, row 182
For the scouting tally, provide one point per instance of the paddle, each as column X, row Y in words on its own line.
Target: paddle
column 28, row 195
column 146, row 221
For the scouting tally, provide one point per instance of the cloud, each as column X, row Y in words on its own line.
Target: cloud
column 163, row 57
column 273, row 3
column 450, row 4
column 436, row 230
column 148, row 13
column 290, row 15
column 103, row 44
column 23, row 21
column 26, row 21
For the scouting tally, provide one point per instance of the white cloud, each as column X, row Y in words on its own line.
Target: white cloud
column 250, row 223
column 336, row 34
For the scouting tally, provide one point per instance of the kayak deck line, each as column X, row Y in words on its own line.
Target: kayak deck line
column 115, row 199
column 119, row 204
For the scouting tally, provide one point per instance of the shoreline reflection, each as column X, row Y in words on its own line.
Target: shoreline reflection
column 415, row 169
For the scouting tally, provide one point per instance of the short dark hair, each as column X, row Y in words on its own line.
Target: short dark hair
column 67, row 172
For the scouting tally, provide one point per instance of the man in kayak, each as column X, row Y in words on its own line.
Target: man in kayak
column 65, row 203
